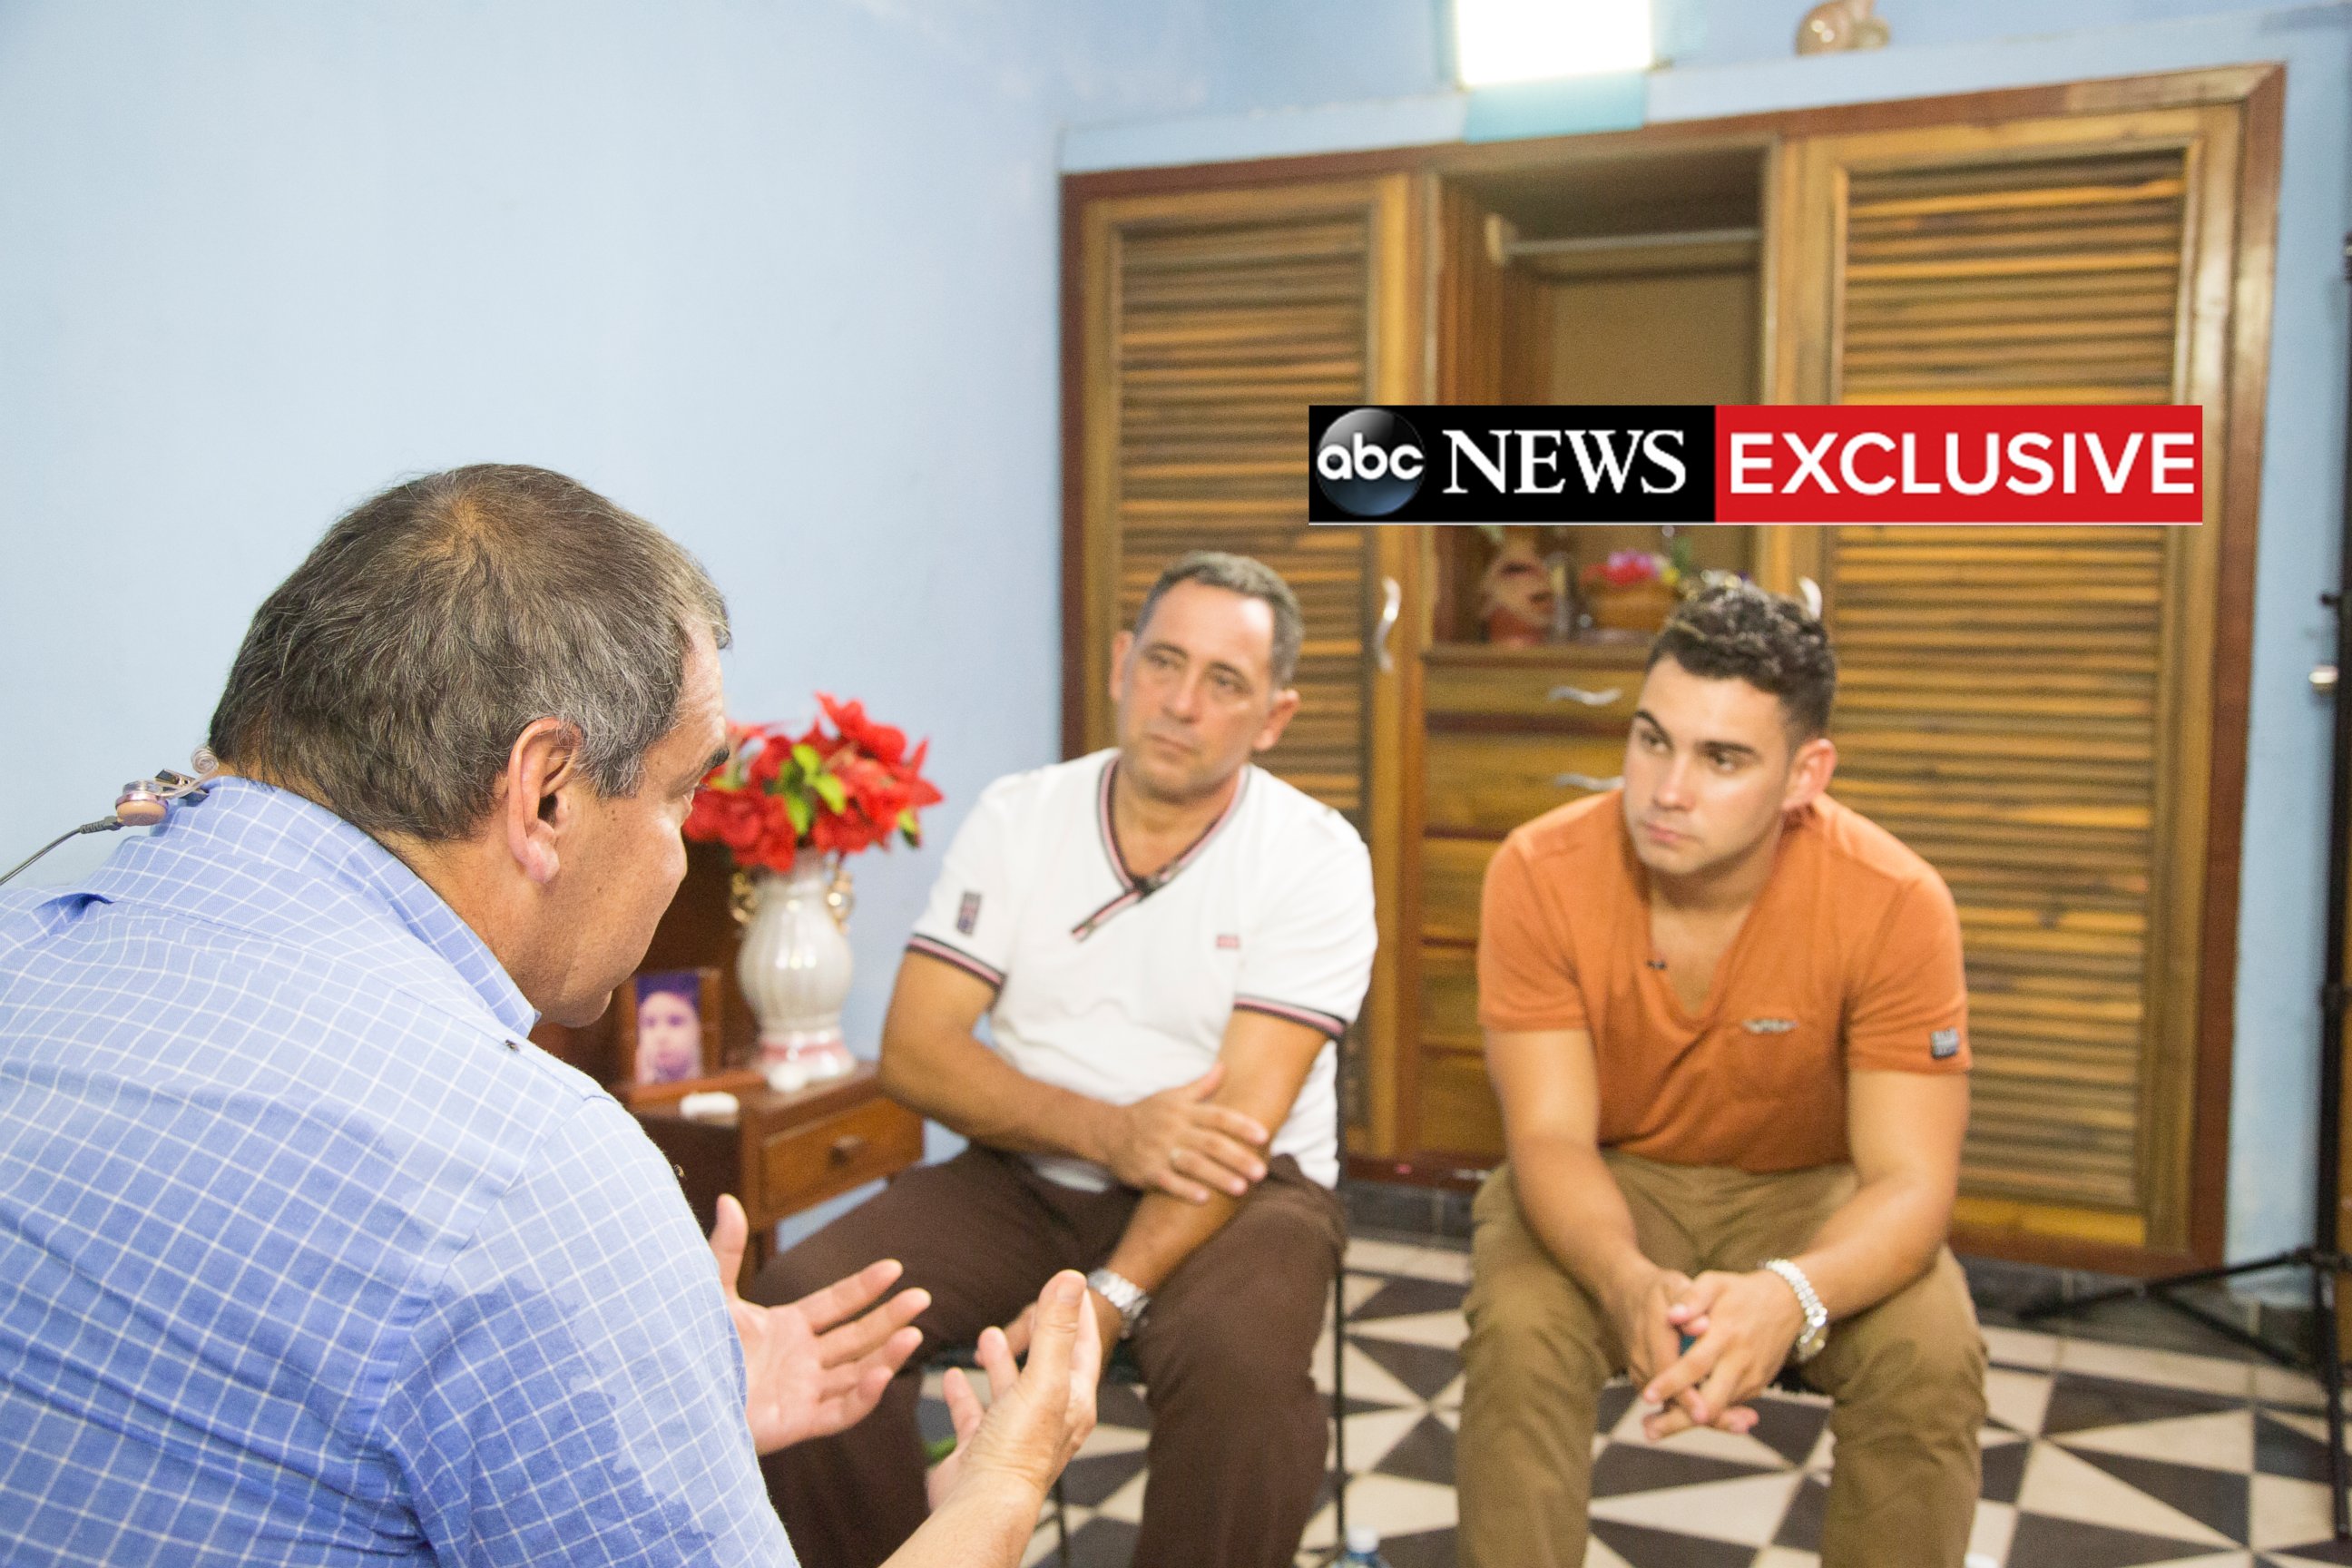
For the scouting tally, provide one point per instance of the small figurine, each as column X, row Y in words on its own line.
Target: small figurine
column 1840, row 25
column 1516, row 597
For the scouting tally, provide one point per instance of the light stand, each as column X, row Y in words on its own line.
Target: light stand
column 2320, row 1257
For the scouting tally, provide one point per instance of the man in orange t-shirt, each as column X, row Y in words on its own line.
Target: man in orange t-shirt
column 1726, row 1021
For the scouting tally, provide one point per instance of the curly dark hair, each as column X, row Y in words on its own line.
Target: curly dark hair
column 1738, row 631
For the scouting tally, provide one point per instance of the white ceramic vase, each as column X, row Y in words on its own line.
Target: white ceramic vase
column 794, row 969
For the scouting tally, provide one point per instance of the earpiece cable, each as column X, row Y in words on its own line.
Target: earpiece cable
column 103, row 824
column 142, row 804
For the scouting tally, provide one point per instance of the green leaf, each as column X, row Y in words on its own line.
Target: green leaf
column 805, row 754
column 797, row 807
column 910, row 827
column 830, row 791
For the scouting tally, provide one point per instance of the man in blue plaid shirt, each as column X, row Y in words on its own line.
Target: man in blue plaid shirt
column 307, row 1256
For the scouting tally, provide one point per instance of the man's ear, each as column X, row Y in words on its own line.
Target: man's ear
column 1809, row 773
column 538, row 799
column 1121, row 647
column 1285, row 703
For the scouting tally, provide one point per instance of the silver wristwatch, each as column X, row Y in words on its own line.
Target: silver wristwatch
column 1817, row 1316
column 1129, row 1298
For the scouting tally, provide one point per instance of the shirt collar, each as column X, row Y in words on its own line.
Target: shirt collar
column 254, row 855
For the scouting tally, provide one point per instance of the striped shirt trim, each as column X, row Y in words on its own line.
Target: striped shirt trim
column 931, row 947
column 1135, row 889
column 1329, row 1024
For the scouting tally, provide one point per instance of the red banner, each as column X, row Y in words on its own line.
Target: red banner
column 1959, row 464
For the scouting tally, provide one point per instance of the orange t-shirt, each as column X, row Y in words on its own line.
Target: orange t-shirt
column 1849, row 959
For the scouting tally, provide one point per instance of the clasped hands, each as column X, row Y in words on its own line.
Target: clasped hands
column 1180, row 1143
column 818, row 1365
column 1741, row 1328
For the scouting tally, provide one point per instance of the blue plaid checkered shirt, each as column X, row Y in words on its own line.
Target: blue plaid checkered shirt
column 307, row 1256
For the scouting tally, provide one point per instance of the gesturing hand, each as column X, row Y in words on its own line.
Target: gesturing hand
column 1109, row 1324
column 1039, row 1417
column 1177, row 1141
column 816, row 1366
column 1745, row 1325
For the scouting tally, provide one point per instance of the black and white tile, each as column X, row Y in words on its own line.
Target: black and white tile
column 2098, row 1455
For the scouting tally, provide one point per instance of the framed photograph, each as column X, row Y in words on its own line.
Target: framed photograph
column 672, row 1034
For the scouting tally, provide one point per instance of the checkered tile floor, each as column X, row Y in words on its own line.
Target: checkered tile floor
column 2098, row 1454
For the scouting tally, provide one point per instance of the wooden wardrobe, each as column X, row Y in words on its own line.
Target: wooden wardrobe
column 2056, row 718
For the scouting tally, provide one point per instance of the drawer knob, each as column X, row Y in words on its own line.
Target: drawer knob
column 1589, row 699
column 1584, row 781
column 846, row 1148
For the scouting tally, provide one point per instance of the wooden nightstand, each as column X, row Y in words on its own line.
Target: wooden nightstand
column 787, row 1151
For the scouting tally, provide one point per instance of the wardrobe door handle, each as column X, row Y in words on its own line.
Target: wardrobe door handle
column 1589, row 699
column 1391, row 603
column 1585, row 780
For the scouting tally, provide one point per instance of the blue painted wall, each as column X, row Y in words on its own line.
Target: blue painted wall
column 780, row 276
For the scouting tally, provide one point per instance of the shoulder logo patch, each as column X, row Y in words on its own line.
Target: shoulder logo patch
column 1944, row 1043
column 1769, row 1025
column 968, row 913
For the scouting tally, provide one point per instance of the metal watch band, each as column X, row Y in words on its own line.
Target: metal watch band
column 1129, row 1298
column 1817, row 1316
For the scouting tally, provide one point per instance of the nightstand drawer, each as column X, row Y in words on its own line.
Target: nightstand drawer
column 1602, row 697
column 1486, row 785
column 805, row 1164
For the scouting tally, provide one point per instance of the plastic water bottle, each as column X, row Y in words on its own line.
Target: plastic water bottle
column 1364, row 1548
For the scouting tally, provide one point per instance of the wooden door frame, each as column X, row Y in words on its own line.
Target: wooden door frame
column 2198, row 839
column 2259, row 92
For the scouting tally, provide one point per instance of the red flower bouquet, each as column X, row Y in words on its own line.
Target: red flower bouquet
column 836, row 791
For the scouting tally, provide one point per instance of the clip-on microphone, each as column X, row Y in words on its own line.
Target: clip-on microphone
column 143, row 803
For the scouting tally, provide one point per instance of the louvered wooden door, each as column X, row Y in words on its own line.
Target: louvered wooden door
column 1209, row 322
column 2030, row 709
column 1214, row 319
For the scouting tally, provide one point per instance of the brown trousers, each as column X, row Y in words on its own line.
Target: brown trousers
column 1237, row 1427
column 1908, row 1375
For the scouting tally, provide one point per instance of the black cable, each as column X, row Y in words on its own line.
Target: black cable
column 103, row 824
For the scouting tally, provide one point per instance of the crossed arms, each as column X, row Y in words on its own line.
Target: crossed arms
column 1903, row 1131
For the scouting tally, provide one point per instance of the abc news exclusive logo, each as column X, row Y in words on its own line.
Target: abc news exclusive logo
column 1684, row 463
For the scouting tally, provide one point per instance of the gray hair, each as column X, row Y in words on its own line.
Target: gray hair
column 1238, row 574
column 388, row 676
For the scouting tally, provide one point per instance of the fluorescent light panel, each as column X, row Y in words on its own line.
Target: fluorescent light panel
column 1500, row 41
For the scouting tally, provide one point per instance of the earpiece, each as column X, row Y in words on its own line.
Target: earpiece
column 142, row 802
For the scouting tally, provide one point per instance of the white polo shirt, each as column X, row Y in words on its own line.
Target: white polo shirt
column 1115, row 986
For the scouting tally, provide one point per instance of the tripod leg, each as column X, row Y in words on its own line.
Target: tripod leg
column 2323, row 1282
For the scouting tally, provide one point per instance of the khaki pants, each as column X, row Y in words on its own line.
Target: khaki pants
column 1908, row 1375
column 1238, row 1431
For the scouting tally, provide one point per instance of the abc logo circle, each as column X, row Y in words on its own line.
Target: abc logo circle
column 1369, row 462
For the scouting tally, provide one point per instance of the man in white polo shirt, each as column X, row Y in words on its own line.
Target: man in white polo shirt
column 1166, row 942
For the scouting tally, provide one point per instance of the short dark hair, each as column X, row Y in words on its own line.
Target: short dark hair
column 1736, row 631
column 1238, row 574
column 388, row 676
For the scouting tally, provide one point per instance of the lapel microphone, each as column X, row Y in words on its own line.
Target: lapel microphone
column 143, row 803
